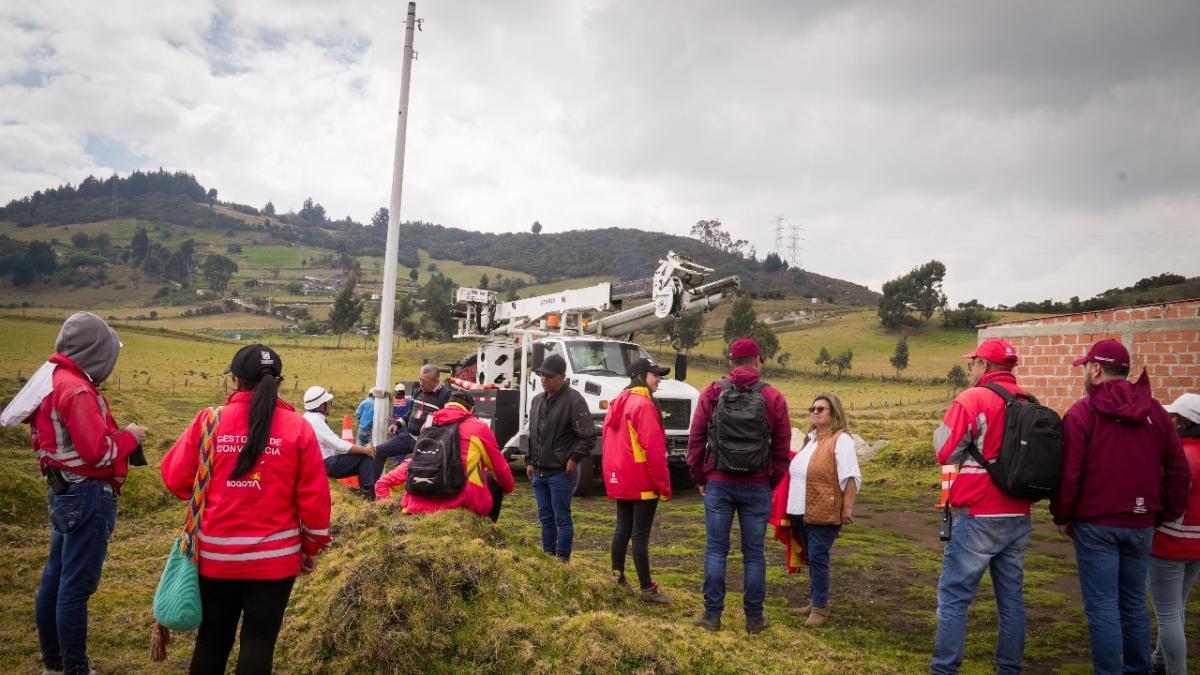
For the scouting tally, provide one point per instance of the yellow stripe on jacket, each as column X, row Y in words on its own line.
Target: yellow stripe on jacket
column 476, row 455
column 639, row 454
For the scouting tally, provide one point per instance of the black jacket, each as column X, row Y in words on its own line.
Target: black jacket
column 423, row 404
column 560, row 428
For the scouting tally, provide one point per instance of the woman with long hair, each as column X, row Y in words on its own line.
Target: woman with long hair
column 635, row 472
column 816, row 498
column 265, row 513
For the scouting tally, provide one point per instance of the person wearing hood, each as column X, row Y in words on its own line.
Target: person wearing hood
column 84, row 457
column 634, row 460
column 1175, row 557
column 991, row 529
column 1124, row 471
column 739, row 448
column 487, row 472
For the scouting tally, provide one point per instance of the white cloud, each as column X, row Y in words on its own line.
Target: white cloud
column 1038, row 151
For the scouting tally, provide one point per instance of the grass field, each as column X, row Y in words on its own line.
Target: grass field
column 392, row 581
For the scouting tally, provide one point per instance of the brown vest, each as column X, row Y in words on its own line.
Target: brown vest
column 822, row 490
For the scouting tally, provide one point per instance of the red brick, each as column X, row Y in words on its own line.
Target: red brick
column 1187, row 357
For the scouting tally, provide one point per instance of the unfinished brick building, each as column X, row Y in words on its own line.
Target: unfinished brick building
column 1163, row 339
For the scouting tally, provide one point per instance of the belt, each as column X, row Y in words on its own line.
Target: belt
column 545, row 474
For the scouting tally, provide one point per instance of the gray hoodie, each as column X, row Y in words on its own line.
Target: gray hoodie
column 88, row 341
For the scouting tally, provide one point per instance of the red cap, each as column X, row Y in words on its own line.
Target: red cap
column 1108, row 352
column 742, row 348
column 995, row 350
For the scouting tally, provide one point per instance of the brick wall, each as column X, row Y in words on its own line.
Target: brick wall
column 1163, row 339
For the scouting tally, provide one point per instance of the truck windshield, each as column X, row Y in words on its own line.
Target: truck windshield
column 603, row 358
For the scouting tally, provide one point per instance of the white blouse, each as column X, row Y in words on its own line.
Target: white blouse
column 847, row 468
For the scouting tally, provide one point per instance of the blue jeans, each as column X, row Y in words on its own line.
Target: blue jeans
column 553, row 494
column 82, row 520
column 978, row 544
column 818, row 539
column 752, row 504
column 399, row 447
column 1170, row 583
column 1112, row 565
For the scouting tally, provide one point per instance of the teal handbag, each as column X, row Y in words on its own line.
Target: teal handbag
column 177, row 600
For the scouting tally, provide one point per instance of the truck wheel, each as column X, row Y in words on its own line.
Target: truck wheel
column 587, row 477
column 681, row 480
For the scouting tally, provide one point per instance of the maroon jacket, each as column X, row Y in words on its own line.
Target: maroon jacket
column 700, row 461
column 1123, row 465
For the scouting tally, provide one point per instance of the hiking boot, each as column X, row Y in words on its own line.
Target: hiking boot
column 803, row 611
column 367, row 493
column 651, row 595
column 708, row 622
column 756, row 624
column 817, row 617
column 620, row 580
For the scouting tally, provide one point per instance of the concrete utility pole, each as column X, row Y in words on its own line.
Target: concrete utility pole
column 387, row 301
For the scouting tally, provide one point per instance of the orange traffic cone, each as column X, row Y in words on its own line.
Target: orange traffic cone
column 348, row 435
column 949, row 473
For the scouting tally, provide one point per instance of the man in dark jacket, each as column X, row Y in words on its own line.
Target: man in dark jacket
column 1124, row 471
column 561, row 434
column 748, row 495
column 84, row 458
column 430, row 398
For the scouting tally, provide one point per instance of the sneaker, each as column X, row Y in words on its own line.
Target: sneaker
column 708, row 622
column 651, row 595
column 756, row 624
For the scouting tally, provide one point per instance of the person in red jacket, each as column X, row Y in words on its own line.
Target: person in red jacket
column 488, row 475
column 990, row 529
column 1123, row 473
column 266, row 513
column 83, row 456
column 635, row 472
column 1175, row 556
column 748, row 493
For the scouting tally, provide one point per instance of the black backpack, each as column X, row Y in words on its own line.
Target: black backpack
column 1029, row 465
column 738, row 433
column 436, row 468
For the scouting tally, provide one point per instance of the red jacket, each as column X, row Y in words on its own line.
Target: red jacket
column 700, row 461
column 1123, row 465
column 977, row 417
column 635, row 448
column 480, row 455
column 256, row 525
column 1179, row 539
column 74, row 430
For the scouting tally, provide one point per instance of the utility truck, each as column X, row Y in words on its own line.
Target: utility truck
column 592, row 329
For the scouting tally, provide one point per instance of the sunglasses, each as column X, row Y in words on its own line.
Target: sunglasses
column 817, row 409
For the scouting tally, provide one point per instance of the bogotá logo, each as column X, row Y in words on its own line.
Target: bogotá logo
column 252, row 482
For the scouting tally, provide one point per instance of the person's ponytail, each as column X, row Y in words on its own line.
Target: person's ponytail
column 262, row 410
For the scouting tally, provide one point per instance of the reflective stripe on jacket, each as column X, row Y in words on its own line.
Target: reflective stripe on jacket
column 256, row 525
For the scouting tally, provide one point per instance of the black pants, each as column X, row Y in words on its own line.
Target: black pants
column 497, row 497
column 344, row 466
column 634, row 519
column 259, row 603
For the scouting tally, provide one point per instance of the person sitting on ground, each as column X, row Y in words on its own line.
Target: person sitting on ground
column 635, row 471
column 817, row 497
column 1175, row 556
column 488, row 477
column 342, row 458
column 431, row 397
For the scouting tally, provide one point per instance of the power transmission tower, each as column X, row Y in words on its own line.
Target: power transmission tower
column 779, row 220
column 794, row 247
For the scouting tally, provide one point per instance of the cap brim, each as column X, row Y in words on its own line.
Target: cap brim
column 971, row 355
column 1079, row 362
column 660, row 370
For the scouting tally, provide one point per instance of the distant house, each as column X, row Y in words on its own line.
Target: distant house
column 1163, row 340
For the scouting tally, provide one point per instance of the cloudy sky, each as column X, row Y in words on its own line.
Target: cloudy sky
column 1038, row 149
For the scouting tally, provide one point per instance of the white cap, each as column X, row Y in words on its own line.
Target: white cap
column 1187, row 405
column 315, row 396
column 401, row 388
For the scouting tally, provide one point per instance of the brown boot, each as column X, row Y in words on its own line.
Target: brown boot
column 803, row 611
column 653, row 596
column 817, row 617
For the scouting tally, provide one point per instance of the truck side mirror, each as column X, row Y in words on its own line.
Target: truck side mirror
column 681, row 366
column 539, row 354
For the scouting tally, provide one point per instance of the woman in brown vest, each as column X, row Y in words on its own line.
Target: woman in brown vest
column 818, row 497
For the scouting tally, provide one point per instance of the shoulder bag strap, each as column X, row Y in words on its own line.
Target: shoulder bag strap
column 200, row 485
